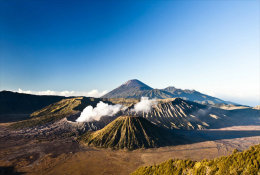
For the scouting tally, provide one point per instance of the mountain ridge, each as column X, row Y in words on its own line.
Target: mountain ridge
column 136, row 89
column 14, row 102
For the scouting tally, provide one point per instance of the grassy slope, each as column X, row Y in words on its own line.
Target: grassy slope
column 56, row 111
column 247, row 163
column 124, row 101
column 128, row 132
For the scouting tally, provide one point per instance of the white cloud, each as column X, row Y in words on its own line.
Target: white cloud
column 249, row 96
column 96, row 93
column 92, row 93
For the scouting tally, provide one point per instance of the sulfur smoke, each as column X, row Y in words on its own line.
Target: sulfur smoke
column 102, row 109
column 145, row 105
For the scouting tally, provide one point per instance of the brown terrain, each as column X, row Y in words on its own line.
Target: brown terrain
column 47, row 142
column 60, row 154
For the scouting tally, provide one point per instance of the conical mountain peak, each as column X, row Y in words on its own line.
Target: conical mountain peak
column 137, row 89
column 129, row 132
column 136, row 83
column 130, row 89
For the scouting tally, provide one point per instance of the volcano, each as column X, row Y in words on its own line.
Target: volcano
column 177, row 113
column 137, row 89
column 131, row 133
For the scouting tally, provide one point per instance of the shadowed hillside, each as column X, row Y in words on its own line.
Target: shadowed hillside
column 18, row 103
column 57, row 111
column 9, row 171
column 131, row 133
column 17, row 106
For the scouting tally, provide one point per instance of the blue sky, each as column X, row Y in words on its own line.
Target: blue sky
column 210, row 46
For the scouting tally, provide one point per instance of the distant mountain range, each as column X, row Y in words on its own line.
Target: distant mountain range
column 137, row 89
column 171, row 113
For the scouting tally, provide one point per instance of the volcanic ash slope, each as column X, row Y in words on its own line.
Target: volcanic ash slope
column 131, row 133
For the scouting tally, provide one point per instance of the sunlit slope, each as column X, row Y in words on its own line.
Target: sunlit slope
column 131, row 133
column 57, row 111
column 181, row 114
column 177, row 113
column 173, row 113
column 246, row 162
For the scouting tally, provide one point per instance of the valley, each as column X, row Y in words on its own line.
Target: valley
column 117, row 87
column 63, row 155
column 128, row 133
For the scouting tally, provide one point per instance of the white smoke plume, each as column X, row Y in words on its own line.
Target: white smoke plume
column 145, row 105
column 102, row 109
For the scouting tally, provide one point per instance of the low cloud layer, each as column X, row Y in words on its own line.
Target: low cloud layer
column 102, row 109
column 246, row 96
column 92, row 93
column 145, row 105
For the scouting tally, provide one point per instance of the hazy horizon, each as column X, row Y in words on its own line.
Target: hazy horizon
column 96, row 93
column 91, row 48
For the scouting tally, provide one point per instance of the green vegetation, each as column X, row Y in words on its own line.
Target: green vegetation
column 65, row 106
column 244, row 163
column 128, row 132
column 56, row 111
column 124, row 101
